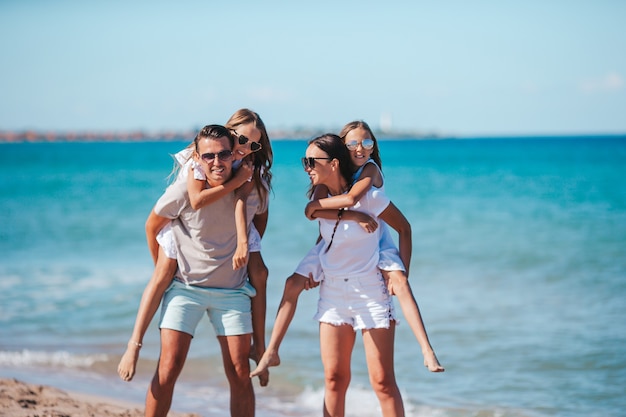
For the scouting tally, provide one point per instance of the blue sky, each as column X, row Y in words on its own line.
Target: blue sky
column 451, row 67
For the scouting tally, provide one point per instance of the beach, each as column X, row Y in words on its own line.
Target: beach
column 21, row 399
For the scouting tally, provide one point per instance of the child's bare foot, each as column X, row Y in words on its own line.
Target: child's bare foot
column 432, row 363
column 268, row 359
column 264, row 375
column 126, row 367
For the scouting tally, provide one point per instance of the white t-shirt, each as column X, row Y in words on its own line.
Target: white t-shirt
column 353, row 251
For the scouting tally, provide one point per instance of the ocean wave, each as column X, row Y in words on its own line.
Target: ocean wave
column 56, row 359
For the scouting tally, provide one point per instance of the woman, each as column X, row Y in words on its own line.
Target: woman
column 394, row 264
column 353, row 294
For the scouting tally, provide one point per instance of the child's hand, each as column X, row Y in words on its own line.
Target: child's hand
column 366, row 221
column 243, row 173
column 240, row 259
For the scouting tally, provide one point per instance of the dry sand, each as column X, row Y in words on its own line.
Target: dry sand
column 19, row 399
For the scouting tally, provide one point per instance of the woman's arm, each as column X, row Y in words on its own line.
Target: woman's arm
column 394, row 218
column 200, row 196
column 370, row 176
column 154, row 224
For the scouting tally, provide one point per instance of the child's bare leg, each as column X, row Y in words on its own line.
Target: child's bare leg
column 258, row 273
column 152, row 294
column 402, row 289
column 294, row 285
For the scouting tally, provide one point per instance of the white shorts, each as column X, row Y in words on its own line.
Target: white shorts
column 360, row 301
column 310, row 264
column 165, row 238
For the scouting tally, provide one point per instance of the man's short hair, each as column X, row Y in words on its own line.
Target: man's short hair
column 215, row 132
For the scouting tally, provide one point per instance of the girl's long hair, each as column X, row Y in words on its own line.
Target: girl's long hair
column 263, row 158
column 355, row 125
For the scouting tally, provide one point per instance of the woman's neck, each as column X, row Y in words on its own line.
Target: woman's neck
column 337, row 188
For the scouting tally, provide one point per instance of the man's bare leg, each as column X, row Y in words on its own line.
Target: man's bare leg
column 174, row 349
column 235, row 356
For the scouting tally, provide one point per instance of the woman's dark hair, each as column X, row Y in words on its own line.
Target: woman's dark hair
column 334, row 147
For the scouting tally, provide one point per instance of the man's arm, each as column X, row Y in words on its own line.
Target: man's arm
column 154, row 224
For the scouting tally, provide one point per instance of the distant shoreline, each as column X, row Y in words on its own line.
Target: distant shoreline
column 172, row 136
column 32, row 136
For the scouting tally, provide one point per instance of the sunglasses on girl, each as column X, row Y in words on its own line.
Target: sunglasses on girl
column 366, row 144
column 223, row 156
column 308, row 162
column 254, row 146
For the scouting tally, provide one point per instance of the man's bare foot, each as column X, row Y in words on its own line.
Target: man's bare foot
column 126, row 367
column 432, row 363
column 268, row 359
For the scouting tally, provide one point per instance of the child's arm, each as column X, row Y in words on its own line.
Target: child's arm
column 394, row 218
column 370, row 176
column 200, row 196
column 366, row 221
column 240, row 259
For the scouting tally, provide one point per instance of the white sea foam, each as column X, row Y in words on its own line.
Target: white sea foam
column 55, row 359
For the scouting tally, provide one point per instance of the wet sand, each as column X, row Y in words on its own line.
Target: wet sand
column 20, row 399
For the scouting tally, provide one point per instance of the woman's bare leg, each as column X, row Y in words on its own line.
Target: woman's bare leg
column 336, row 344
column 378, row 345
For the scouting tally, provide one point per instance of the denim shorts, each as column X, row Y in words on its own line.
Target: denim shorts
column 229, row 310
column 361, row 301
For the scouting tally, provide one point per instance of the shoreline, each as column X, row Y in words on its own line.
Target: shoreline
column 23, row 399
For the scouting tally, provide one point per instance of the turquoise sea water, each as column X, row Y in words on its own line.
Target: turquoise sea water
column 519, row 268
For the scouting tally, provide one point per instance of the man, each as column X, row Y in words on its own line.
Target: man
column 205, row 280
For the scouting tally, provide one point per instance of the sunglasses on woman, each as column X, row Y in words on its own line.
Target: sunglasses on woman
column 366, row 144
column 308, row 162
column 254, row 146
column 223, row 156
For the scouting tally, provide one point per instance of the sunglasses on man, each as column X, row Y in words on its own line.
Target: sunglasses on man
column 223, row 156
